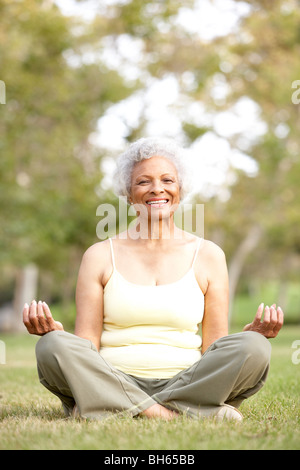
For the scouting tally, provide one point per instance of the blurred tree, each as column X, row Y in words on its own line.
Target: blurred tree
column 48, row 168
column 62, row 74
column 255, row 64
column 262, row 216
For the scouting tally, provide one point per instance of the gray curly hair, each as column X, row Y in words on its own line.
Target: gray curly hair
column 146, row 148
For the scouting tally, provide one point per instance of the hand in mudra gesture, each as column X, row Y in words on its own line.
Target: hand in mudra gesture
column 38, row 319
column 271, row 323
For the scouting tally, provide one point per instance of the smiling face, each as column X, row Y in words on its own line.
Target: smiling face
column 155, row 186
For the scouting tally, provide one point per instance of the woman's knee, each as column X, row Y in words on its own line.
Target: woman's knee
column 49, row 346
column 255, row 346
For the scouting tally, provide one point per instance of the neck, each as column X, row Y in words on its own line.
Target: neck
column 154, row 230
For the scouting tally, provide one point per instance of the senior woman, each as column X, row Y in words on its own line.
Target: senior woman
column 140, row 300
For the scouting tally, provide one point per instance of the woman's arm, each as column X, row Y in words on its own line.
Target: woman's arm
column 89, row 296
column 89, row 301
column 267, row 322
column 215, row 320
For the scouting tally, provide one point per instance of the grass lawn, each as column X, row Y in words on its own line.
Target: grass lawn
column 31, row 417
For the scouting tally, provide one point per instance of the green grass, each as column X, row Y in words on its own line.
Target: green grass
column 31, row 417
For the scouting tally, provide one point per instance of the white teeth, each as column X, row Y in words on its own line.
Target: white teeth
column 161, row 201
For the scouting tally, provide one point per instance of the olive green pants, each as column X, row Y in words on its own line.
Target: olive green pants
column 232, row 369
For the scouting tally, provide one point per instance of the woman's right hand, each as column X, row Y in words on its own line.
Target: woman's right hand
column 38, row 319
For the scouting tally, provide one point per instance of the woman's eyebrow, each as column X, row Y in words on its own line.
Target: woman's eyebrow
column 150, row 176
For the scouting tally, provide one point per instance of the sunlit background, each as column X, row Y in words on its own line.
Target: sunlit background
column 162, row 102
column 86, row 78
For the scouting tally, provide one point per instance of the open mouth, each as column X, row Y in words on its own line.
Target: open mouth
column 157, row 202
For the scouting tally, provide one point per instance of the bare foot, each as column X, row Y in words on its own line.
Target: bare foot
column 159, row 411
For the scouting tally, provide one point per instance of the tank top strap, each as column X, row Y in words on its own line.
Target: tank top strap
column 112, row 253
column 196, row 252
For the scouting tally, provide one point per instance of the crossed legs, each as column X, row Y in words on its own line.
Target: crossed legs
column 232, row 369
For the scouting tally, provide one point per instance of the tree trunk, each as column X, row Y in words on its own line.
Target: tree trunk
column 25, row 291
column 282, row 294
column 237, row 262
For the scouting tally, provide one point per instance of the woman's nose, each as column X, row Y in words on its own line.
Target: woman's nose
column 157, row 187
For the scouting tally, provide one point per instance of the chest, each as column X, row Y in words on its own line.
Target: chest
column 177, row 305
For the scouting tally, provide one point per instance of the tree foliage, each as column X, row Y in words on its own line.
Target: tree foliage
column 49, row 168
column 59, row 84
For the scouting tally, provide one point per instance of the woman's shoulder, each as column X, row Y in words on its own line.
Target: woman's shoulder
column 212, row 249
column 207, row 247
column 211, row 254
column 97, row 250
column 103, row 248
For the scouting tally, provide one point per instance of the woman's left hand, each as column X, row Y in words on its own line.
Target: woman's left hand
column 270, row 325
column 38, row 319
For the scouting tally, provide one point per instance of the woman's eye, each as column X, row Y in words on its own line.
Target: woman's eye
column 165, row 180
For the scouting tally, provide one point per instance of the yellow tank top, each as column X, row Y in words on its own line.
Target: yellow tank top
column 151, row 331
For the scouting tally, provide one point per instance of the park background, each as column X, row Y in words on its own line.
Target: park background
column 84, row 79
